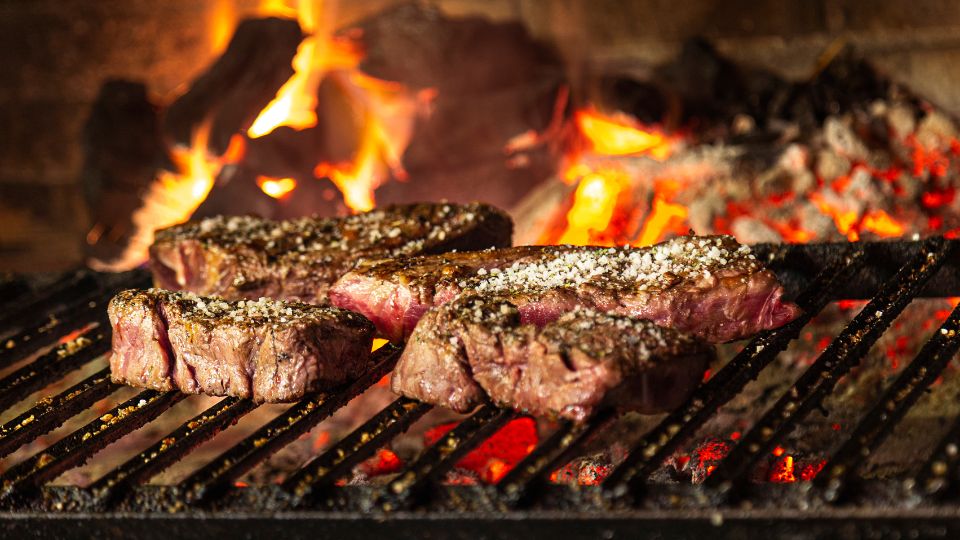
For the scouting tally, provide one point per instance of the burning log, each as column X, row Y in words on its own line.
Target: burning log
column 489, row 82
column 238, row 85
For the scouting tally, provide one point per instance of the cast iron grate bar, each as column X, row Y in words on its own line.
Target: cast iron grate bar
column 315, row 478
column 74, row 449
column 70, row 288
column 62, row 321
column 843, row 353
column 169, row 449
column 657, row 445
column 52, row 366
column 413, row 483
column 526, row 480
column 51, row 412
column 840, row 471
column 217, row 477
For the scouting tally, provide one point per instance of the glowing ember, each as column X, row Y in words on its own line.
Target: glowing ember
column 810, row 470
column 278, row 188
column 384, row 462
column 782, row 471
column 882, row 224
column 499, row 453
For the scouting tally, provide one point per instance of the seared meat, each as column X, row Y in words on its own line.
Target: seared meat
column 474, row 348
column 266, row 350
column 710, row 286
column 247, row 257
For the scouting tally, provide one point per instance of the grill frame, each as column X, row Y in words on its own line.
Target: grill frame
column 415, row 504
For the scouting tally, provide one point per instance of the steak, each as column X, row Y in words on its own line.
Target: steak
column 474, row 349
column 247, row 257
column 710, row 286
column 266, row 350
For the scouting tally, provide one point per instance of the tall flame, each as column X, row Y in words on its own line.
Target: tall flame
column 296, row 101
column 172, row 199
column 386, row 109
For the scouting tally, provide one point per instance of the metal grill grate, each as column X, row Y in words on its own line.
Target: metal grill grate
column 891, row 275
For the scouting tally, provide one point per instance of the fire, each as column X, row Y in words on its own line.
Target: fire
column 387, row 109
column 388, row 112
column 498, row 454
column 619, row 135
column 357, row 180
column 593, row 205
column 663, row 216
column 296, row 101
column 172, row 199
column 278, row 188
column 594, row 215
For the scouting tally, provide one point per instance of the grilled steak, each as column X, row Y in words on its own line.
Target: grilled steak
column 710, row 286
column 266, row 350
column 247, row 257
column 471, row 349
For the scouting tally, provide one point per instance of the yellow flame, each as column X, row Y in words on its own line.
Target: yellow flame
column 278, row 188
column 357, row 180
column 594, row 203
column 171, row 199
column 224, row 21
column 618, row 136
column 296, row 102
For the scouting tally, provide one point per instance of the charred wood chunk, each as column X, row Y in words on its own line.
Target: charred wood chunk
column 122, row 149
column 492, row 81
column 238, row 85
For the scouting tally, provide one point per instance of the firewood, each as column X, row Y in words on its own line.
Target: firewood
column 238, row 85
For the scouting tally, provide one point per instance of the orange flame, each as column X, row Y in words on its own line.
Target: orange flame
column 882, row 224
column 664, row 215
column 296, row 101
column 593, row 205
column 591, row 218
column 387, row 109
column 172, row 199
column 619, row 135
column 278, row 188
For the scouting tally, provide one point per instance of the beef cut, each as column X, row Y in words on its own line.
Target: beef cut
column 266, row 350
column 247, row 257
column 474, row 349
column 710, row 286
